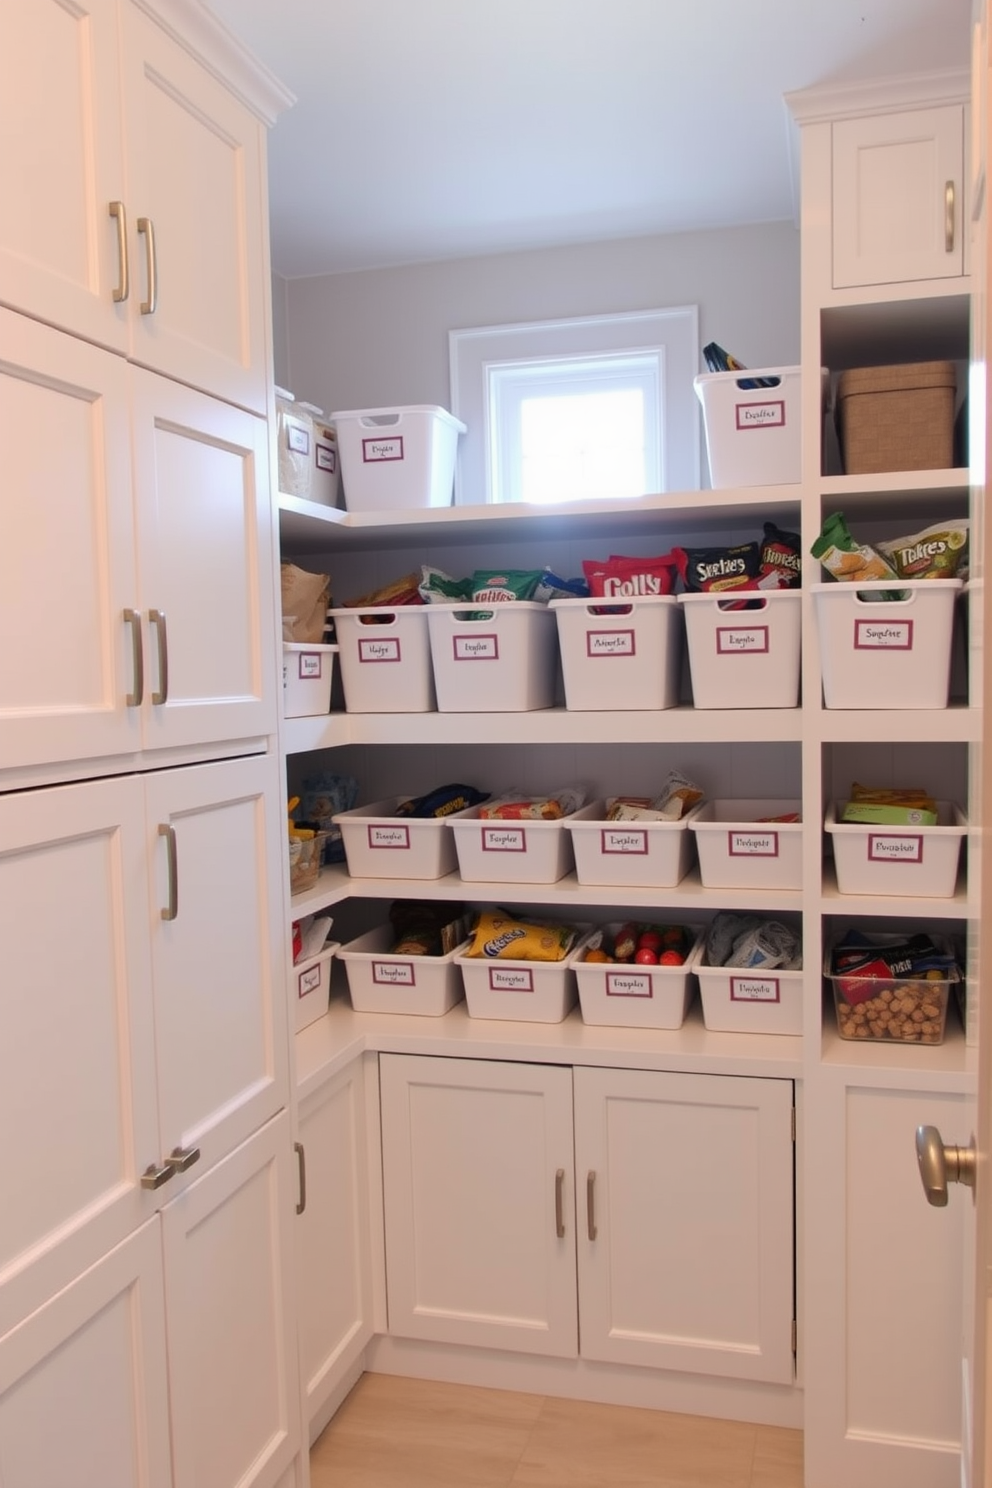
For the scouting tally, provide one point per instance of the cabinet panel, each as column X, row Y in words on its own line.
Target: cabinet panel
column 232, row 1370
column 471, row 1150
column 685, row 1253
column 332, row 1237
column 59, row 91
column 83, row 1386
column 891, row 173
column 77, row 1051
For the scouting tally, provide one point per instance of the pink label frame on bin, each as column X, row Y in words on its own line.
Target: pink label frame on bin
column 390, row 447
column 486, row 647
column 633, row 980
column 308, row 981
column 510, row 979
column 761, row 632
column 515, row 839
column 612, row 840
column 376, row 649
column 394, row 974
column 737, row 837
column 901, row 627
column 626, row 643
column 768, row 414
column 388, row 839
column 305, row 666
column 325, row 457
column 913, row 840
column 739, row 989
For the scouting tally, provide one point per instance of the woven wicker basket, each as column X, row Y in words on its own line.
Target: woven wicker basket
column 897, row 418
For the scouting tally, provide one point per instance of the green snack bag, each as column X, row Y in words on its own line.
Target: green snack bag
column 847, row 559
column 437, row 587
column 497, row 585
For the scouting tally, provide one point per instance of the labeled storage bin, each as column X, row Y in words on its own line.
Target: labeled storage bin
column 385, row 658
column 631, row 996
column 739, row 848
column 493, row 851
column 310, row 986
column 743, row 658
column 380, row 844
column 619, row 657
column 898, row 860
column 752, row 433
column 379, row 982
column 395, row 459
column 892, row 1010
column 498, row 660
column 325, row 483
column 739, row 999
column 307, row 674
column 294, row 446
column 897, row 418
column 520, row 991
column 886, row 654
column 629, row 854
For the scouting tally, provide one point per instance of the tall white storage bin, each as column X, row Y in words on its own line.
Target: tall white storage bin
column 743, row 658
column 877, row 653
column 617, row 657
column 397, row 458
column 503, row 659
column 753, row 434
column 385, row 659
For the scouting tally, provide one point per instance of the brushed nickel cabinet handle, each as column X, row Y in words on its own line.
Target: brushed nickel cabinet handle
column 949, row 217
column 172, row 906
column 154, row 1177
column 157, row 618
column 591, row 1204
column 560, row 1204
column 118, row 212
column 147, row 229
column 133, row 619
column 181, row 1159
column 301, row 1158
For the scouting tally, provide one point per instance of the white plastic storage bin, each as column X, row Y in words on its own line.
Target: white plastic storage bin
column 310, row 984
column 745, row 1000
column 886, row 654
column 629, row 854
column 752, row 433
column 380, row 844
column 743, row 658
column 520, row 991
column 385, row 659
column 739, row 850
column 619, row 656
column 325, row 475
column 395, row 459
column 379, row 982
column 634, row 996
column 307, row 674
column 498, row 660
column 898, row 860
column 294, row 446
column 510, row 851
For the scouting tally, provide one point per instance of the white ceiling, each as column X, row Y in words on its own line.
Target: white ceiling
column 429, row 129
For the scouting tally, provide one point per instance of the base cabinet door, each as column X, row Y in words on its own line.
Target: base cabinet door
column 479, row 1203
column 685, row 1232
column 84, row 1395
column 334, row 1283
column 233, row 1379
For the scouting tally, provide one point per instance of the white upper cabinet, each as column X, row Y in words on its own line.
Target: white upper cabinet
column 898, row 188
column 144, row 229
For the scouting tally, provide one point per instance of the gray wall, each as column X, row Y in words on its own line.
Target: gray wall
column 379, row 339
column 280, row 339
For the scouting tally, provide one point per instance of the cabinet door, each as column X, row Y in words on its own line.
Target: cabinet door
column 62, row 165
column 83, row 1385
column 205, row 557
column 898, row 209
column 67, row 569
column 77, row 1050
column 686, row 1221
column 479, row 1204
column 195, row 170
column 214, row 833
column 233, row 1380
column 332, row 1236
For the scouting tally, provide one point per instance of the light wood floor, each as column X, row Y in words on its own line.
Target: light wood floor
column 404, row 1433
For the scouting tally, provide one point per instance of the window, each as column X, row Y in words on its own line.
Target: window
column 601, row 407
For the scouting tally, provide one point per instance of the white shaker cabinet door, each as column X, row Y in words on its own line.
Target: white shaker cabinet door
column 83, row 1386
column 196, row 185
column 214, row 833
column 67, row 570
column 206, row 572
column 62, row 254
column 233, row 1379
column 898, row 197
column 77, row 1049
column 685, row 1210
column 479, row 1204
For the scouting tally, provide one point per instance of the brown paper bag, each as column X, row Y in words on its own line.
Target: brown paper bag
column 305, row 598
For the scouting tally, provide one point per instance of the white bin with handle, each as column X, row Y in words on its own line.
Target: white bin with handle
column 395, row 459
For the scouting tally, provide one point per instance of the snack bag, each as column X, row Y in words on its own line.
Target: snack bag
column 715, row 570
column 441, row 802
column 780, row 563
column 498, row 936
column 497, row 586
column 622, row 578
column 515, row 806
column 404, row 591
column 438, row 587
column 847, row 559
column 938, row 552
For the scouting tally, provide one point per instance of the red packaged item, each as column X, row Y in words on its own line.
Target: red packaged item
column 781, row 561
column 622, row 578
column 715, row 570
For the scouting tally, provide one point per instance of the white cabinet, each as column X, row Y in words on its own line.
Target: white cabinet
column 898, row 197
column 677, row 1209
column 176, row 279
column 333, row 1243
column 135, row 558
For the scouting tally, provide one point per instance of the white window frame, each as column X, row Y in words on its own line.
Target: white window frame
column 474, row 352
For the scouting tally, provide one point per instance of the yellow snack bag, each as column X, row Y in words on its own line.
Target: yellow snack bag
column 499, row 937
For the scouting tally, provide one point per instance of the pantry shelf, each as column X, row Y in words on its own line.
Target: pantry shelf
column 957, row 724
column 684, row 725
column 948, row 1067
column 833, row 902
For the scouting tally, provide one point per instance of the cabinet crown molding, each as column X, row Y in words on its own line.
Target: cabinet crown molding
column 854, row 100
